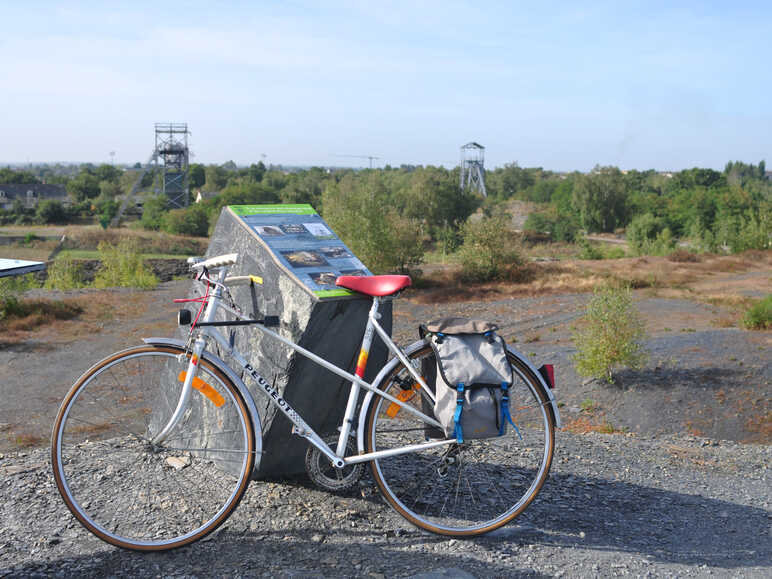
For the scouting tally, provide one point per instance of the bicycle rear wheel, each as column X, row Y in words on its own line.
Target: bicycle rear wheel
column 461, row 489
column 132, row 492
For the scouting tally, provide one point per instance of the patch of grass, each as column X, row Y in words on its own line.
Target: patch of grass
column 64, row 274
column 11, row 288
column 683, row 256
column 122, row 266
column 759, row 316
column 588, row 405
column 587, row 424
column 26, row 440
column 146, row 242
column 29, row 314
column 94, row 254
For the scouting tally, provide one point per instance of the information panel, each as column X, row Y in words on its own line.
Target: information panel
column 304, row 244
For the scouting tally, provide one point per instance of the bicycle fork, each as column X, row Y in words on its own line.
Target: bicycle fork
column 198, row 348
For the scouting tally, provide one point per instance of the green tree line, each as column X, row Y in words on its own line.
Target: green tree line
column 390, row 216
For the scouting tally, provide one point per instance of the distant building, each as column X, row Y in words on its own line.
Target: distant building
column 31, row 194
column 204, row 195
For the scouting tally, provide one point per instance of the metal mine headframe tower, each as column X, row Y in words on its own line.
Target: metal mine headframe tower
column 171, row 157
column 473, row 168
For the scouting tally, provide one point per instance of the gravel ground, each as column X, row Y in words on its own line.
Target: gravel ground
column 654, row 502
column 613, row 506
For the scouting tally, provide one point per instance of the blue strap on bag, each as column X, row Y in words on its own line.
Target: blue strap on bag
column 459, row 409
column 505, row 415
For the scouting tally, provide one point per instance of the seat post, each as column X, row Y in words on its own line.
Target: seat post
column 359, row 372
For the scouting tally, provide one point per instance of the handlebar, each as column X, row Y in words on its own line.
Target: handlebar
column 217, row 261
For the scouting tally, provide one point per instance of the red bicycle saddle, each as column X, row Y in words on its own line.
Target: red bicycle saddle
column 374, row 285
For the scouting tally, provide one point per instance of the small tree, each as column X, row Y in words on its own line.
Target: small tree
column 153, row 211
column 51, row 211
column 488, row 252
column 192, row 220
column 612, row 335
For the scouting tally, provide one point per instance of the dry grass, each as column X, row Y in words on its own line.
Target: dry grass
column 680, row 279
column 67, row 319
column 146, row 241
column 587, row 424
column 35, row 251
column 35, row 313
column 27, row 440
column 760, row 427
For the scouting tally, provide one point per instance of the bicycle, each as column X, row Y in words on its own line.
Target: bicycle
column 154, row 446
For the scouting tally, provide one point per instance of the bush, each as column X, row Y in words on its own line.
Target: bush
column 192, row 220
column 648, row 235
column 589, row 251
column 558, row 227
column 488, row 252
column 759, row 316
column 123, row 266
column 612, row 335
column 51, row 211
column 384, row 240
column 153, row 211
column 64, row 274
column 10, row 291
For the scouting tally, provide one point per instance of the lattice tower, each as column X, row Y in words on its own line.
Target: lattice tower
column 473, row 168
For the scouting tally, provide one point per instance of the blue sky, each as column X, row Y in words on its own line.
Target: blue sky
column 562, row 85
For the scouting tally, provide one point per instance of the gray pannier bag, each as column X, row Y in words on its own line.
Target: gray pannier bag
column 472, row 379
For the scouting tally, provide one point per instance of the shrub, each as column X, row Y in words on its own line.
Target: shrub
column 488, row 252
column 589, row 251
column 10, row 292
column 648, row 235
column 51, row 211
column 192, row 220
column 759, row 316
column 64, row 274
column 363, row 218
column 612, row 335
column 153, row 211
column 123, row 266
column 683, row 256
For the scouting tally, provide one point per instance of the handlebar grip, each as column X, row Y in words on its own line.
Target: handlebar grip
column 217, row 261
column 243, row 280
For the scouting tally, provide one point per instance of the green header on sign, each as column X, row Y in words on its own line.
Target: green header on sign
column 336, row 293
column 297, row 209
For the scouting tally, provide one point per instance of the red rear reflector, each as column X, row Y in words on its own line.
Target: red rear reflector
column 547, row 372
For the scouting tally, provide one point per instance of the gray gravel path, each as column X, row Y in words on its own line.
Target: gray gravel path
column 614, row 505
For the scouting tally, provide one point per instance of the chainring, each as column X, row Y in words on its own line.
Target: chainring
column 326, row 476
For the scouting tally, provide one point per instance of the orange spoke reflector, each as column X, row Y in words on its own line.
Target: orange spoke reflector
column 205, row 389
column 403, row 396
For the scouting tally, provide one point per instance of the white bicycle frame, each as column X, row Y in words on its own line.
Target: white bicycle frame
column 301, row 428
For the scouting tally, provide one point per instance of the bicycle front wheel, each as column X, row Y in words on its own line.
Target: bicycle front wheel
column 129, row 490
column 461, row 489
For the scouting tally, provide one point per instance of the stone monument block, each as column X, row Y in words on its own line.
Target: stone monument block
column 298, row 257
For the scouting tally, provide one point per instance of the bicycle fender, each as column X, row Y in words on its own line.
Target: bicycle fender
column 240, row 386
column 540, row 378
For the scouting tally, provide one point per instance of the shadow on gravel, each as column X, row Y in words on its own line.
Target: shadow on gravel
column 661, row 525
column 664, row 527
column 286, row 553
column 690, row 378
column 25, row 347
